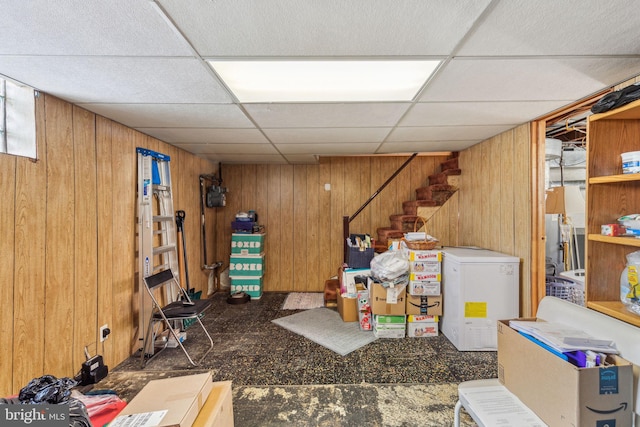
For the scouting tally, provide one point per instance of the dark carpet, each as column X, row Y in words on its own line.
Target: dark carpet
column 281, row 378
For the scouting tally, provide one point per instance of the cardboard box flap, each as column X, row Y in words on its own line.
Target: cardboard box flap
column 181, row 397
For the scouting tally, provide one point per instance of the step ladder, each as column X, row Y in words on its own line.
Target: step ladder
column 156, row 228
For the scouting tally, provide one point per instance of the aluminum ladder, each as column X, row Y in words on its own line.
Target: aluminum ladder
column 156, row 229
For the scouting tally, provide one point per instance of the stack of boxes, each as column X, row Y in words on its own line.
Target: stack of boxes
column 246, row 264
column 388, row 309
column 412, row 309
column 424, row 293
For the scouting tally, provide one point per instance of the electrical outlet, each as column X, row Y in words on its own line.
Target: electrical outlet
column 104, row 332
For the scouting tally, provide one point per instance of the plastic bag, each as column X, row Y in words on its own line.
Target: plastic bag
column 617, row 99
column 389, row 265
column 47, row 389
column 630, row 283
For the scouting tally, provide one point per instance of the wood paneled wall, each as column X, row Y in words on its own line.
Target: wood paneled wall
column 495, row 200
column 303, row 221
column 68, row 260
column 68, row 242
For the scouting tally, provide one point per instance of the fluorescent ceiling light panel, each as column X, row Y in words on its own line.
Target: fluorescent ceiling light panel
column 324, row 81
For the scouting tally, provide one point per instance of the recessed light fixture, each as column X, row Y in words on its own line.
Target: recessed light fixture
column 324, row 81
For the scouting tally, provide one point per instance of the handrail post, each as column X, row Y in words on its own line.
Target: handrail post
column 345, row 236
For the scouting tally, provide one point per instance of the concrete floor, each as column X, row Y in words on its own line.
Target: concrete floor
column 283, row 379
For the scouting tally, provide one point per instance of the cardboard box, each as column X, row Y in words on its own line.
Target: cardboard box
column 383, row 319
column 246, row 265
column 422, row 329
column 364, row 311
column 422, row 287
column 422, row 318
column 218, row 408
column 425, row 266
column 425, row 277
column 424, row 304
column 174, row 402
column 429, row 255
column 348, row 308
column 247, row 244
column 249, row 285
column 560, row 393
column 389, row 330
column 387, row 300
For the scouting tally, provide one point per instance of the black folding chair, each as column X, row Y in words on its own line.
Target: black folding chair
column 172, row 314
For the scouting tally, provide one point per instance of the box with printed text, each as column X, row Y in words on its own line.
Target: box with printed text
column 246, row 265
column 426, row 255
column 390, row 301
column 247, row 243
column 424, row 287
column 560, row 393
column 250, row 285
column 424, row 304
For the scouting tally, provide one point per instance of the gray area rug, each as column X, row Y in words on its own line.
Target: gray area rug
column 325, row 327
column 303, row 301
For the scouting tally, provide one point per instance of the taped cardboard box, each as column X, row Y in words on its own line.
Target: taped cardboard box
column 424, row 305
column 560, row 393
column 391, row 301
column 169, row 402
column 348, row 308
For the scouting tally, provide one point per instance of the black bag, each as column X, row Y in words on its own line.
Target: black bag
column 617, row 99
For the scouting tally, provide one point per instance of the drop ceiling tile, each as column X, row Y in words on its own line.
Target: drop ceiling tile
column 207, row 135
column 328, row 149
column 234, row 149
column 477, row 113
column 445, row 133
column 527, row 79
column 114, row 27
column 324, row 135
column 173, row 115
column 551, row 27
column 333, row 27
column 326, row 115
column 248, row 158
column 117, row 79
column 425, row 147
column 304, row 159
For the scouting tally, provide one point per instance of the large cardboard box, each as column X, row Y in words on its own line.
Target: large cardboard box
column 246, row 265
column 171, row 402
column 348, row 308
column 424, row 304
column 390, row 301
column 218, row 408
column 560, row 393
column 247, row 244
column 250, row 285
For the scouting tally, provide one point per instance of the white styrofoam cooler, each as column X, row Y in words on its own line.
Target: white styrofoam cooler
column 479, row 288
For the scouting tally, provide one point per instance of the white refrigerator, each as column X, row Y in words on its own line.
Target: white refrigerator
column 479, row 288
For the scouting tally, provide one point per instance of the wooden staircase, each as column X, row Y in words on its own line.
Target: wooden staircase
column 439, row 189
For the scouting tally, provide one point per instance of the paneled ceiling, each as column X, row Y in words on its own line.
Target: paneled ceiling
column 143, row 63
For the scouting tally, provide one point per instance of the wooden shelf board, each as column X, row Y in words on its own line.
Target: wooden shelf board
column 627, row 177
column 626, row 241
column 615, row 309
